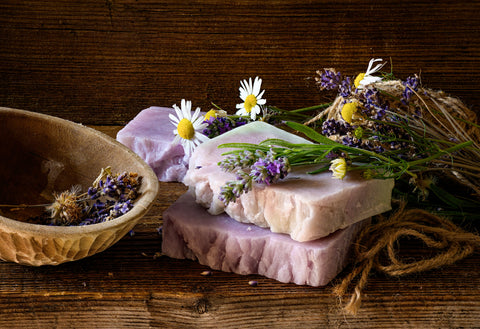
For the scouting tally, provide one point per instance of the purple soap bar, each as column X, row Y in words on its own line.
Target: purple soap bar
column 150, row 135
column 218, row 241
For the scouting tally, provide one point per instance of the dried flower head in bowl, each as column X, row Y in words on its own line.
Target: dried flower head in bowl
column 74, row 191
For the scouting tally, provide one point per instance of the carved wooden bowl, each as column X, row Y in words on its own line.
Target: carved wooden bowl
column 41, row 154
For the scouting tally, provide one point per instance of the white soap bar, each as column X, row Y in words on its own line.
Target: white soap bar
column 306, row 207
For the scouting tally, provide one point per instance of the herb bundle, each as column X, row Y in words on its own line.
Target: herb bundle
column 384, row 128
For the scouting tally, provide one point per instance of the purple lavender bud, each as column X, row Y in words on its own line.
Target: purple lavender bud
column 345, row 88
column 333, row 127
column 92, row 193
column 269, row 170
column 330, row 80
column 411, row 85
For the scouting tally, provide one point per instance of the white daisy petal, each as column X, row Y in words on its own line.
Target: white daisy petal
column 186, row 109
column 253, row 113
column 256, row 86
column 176, row 140
column 178, row 111
column 369, row 80
column 243, row 95
column 203, row 138
column 260, row 95
column 241, row 112
column 173, row 118
column 244, row 84
column 377, row 67
column 197, row 142
column 250, row 86
column 199, row 125
column 195, row 115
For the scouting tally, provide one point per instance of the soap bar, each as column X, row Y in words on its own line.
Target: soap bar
column 190, row 232
column 307, row 207
column 150, row 135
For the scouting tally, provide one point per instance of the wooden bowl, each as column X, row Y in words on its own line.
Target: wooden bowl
column 41, row 154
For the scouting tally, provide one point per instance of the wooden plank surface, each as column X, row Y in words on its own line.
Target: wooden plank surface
column 128, row 285
column 101, row 62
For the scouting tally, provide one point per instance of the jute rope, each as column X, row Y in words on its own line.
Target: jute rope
column 376, row 248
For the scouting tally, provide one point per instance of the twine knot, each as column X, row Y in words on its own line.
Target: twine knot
column 376, row 241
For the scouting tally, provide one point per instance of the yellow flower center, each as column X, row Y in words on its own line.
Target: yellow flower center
column 250, row 102
column 348, row 110
column 358, row 79
column 210, row 114
column 185, row 129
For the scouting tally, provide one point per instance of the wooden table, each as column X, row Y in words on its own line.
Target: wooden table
column 101, row 62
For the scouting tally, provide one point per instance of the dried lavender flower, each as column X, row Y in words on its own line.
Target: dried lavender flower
column 411, row 85
column 217, row 126
column 329, row 79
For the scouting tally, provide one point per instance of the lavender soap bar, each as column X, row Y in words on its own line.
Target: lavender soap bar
column 190, row 232
column 150, row 135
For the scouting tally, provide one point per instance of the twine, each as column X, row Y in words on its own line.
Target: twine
column 380, row 240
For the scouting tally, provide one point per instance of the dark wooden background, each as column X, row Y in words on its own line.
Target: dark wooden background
column 101, row 62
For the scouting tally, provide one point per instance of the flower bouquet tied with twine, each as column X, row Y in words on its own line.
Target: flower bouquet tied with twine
column 423, row 130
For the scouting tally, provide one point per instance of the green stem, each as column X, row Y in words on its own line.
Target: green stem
column 439, row 154
column 312, row 108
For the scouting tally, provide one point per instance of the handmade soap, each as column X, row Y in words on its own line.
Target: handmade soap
column 190, row 232
column 306, row 207
column 150, row 135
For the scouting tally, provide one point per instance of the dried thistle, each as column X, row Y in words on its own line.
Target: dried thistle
column 67, row 207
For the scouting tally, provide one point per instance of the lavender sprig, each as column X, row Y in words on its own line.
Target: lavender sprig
column 411, row 85
column 330, row 79
column 259, row 167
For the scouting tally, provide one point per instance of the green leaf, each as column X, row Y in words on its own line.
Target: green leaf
column 310, row 133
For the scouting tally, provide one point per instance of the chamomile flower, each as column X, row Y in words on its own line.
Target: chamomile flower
column 252, row 98
column 366, row 78
column 338, row 168
column 348, row 111
column 188, row 127
column 215, row 114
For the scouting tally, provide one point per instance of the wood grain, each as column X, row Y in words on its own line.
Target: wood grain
column 129, row 286
column 101, row 62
